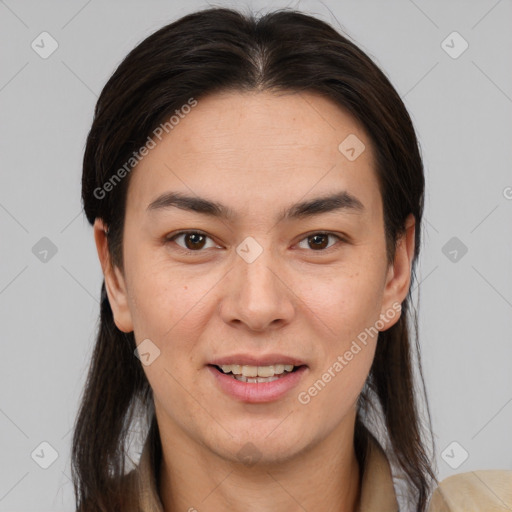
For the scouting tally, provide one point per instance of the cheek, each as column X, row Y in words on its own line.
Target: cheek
column 168, row 309
column 347, row 301
column 349, row 310
column 348, row 305
column 169, row 306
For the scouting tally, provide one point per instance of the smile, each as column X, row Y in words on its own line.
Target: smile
column 247, row 373
column 257, row 383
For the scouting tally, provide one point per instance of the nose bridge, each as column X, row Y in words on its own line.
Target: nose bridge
column 257, row 297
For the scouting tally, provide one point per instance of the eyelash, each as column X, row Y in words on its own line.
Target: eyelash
column 189, row 232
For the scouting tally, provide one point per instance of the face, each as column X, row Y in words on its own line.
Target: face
column 276, row 274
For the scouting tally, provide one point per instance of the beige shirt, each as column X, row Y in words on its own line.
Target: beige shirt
column 475, row 491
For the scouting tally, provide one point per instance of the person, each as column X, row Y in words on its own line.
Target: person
column 256, row 191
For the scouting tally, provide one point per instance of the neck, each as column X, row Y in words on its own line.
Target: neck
column 324, row 477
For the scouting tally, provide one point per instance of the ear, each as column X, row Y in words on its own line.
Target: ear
column 398, row 278
column 114, row 280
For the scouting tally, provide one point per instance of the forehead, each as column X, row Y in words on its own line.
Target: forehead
column 265, row 147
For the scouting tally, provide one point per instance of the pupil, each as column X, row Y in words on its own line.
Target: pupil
column 195, row 240
column 316, row 237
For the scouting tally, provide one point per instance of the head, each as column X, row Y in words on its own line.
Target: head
column 305, row 165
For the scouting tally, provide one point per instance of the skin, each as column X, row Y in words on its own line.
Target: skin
column 257, row 153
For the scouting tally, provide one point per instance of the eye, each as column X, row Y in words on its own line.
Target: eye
column 194, row 241
column 319, row 241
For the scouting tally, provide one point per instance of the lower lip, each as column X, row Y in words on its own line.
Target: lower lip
column 256, row 392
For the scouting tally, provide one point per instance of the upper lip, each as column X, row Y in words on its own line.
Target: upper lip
column 253, row 360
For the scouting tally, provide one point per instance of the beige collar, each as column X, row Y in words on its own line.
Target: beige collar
column 377, row 489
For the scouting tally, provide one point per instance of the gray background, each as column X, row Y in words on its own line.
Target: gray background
column 462, row 110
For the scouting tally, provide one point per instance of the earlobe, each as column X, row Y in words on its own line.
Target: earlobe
column 114, row 280
column 399, row 274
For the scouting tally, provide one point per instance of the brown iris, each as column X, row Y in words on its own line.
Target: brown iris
column 316, row 243
column 197, row 240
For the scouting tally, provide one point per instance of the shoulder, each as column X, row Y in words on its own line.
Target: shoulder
column 474, row 491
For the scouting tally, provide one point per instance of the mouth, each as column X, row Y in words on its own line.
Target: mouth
column 257, row 384
column 257, row 374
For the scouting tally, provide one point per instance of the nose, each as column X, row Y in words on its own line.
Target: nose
column 257, row 294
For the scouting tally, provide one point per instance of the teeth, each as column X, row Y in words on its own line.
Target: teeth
column 257, row 371
column 235, row 369
column 252, row 380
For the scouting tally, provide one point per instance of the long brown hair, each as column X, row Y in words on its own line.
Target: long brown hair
column 217, row 50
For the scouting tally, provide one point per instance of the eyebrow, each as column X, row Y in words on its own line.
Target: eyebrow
column 339, row 201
